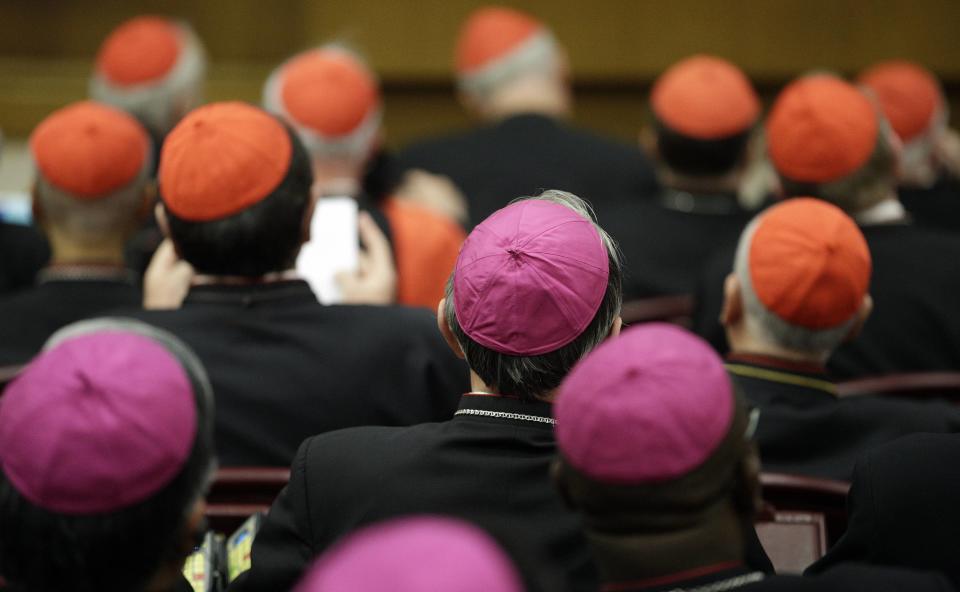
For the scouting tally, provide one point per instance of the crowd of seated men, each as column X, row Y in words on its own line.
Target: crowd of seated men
column 463, row 408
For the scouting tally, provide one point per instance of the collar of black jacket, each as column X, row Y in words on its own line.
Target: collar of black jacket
column 760, row 367
column 491, row 407
column 251, row 294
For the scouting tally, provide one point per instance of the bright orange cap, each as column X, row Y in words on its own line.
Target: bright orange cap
column 221, row 159
column 492, row 33
column 821, row 129
column 908, row 94
column 809, row 263
column 89, row 150
column 706, row 98
column 328, row 91
column 140, row 51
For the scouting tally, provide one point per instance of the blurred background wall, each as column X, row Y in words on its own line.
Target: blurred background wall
column 616, row 47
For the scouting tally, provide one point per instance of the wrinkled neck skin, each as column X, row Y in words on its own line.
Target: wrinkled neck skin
column 65, row 250
column 743, row 340
column 708, row 184
column 542, row 95
column 628, row 557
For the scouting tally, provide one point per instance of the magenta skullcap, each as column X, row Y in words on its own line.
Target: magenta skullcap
column 650, row 405
column 530, row 278
column 97, row 423
column 414, row 554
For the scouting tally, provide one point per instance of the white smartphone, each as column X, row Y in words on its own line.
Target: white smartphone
column 334, row 247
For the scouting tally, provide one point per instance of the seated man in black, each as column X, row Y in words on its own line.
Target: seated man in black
column 914, row 104
column 106, row 453
column 826, row 139
column 235, row 190
column 655, row 452
column 513, row 77
column 903, row 507
column 92, row 192
column 23, row 252
column 536, row 286
column 704, row 111
column 799, row 289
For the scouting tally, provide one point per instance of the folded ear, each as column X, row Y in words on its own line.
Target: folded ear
column 445, row 330
column 732, row 311
column 863, row 313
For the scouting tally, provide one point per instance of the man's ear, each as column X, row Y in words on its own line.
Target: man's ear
column 308, row 219
column 732, row 311
column 648, row 141
column 558, row 475
column 446, row 332
column 147, row 201
column 863, row 313
column 160, row 213
column 195, row 527
column 615, row 328
column 39, row 216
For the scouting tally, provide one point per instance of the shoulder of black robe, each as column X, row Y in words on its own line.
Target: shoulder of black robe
column 708, row 299
column 23, row 252
column 936, row 207
column 525, row 154
column 856, row 578
column 804, row 430
column 903, row 507
column 31, row 316
column 285, row 367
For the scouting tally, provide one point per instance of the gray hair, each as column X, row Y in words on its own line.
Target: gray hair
column 863, row 188
column 770, row 328
column 160, row 105
column 530, row 377
column 89, row 220
column 537, row 55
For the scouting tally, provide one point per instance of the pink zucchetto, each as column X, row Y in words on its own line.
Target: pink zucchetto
column 530, row 278
column 414, row 554
column 97, row 423
column 646, row 407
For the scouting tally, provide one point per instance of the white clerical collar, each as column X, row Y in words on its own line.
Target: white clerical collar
column 888, row 211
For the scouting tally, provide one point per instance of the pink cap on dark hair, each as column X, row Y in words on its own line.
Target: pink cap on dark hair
column 97, row 423
column 414, row 555
column 530, row 278
column 648, row 406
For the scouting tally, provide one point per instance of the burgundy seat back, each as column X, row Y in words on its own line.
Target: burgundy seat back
column 792, row 540
column 933, row 385
column 797, row 494
column 677, row 309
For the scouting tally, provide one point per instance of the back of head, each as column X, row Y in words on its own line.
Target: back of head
column 332, row 100
column 650, row 433
column 498, row 46
column 106, row 448
column 826, row 139
column 152, row 67
column 536, row 286
column 235, row 186
column 803, row 268
column 93, row 164
column 913, row 103
column 704, row 110
column 412, row 555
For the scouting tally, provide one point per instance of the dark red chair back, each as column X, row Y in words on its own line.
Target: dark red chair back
column 792, row 540
column 795, row 493
column 677, row 309
column 239, row 492
column 933, row 385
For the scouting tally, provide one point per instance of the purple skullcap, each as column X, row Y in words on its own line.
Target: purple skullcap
column 414, row 554
column 97, row 423
column 648, row 406
column 530, row 278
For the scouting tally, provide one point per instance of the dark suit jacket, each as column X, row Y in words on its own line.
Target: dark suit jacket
column 805, row 429
column 23, row 252
column 28, row 318
column 284, row 367
column 664, row 247
column 915, row 325
column 903, row 507
column 524, row 154
column 935, row 207
column 484, row 466
column 847, row 578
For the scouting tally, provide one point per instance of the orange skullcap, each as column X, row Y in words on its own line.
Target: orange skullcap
column 142, row 50
column 328, row 91
column 221, row 159
column 89, row 150
column 809, row 263
column 706, row 98
column 821, row 129
column 908, row 94
column 492, row 33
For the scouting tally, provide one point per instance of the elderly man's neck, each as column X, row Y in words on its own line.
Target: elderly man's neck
column 67, row 251
column 538, row 95
column 743, row 341
column 477, row 385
